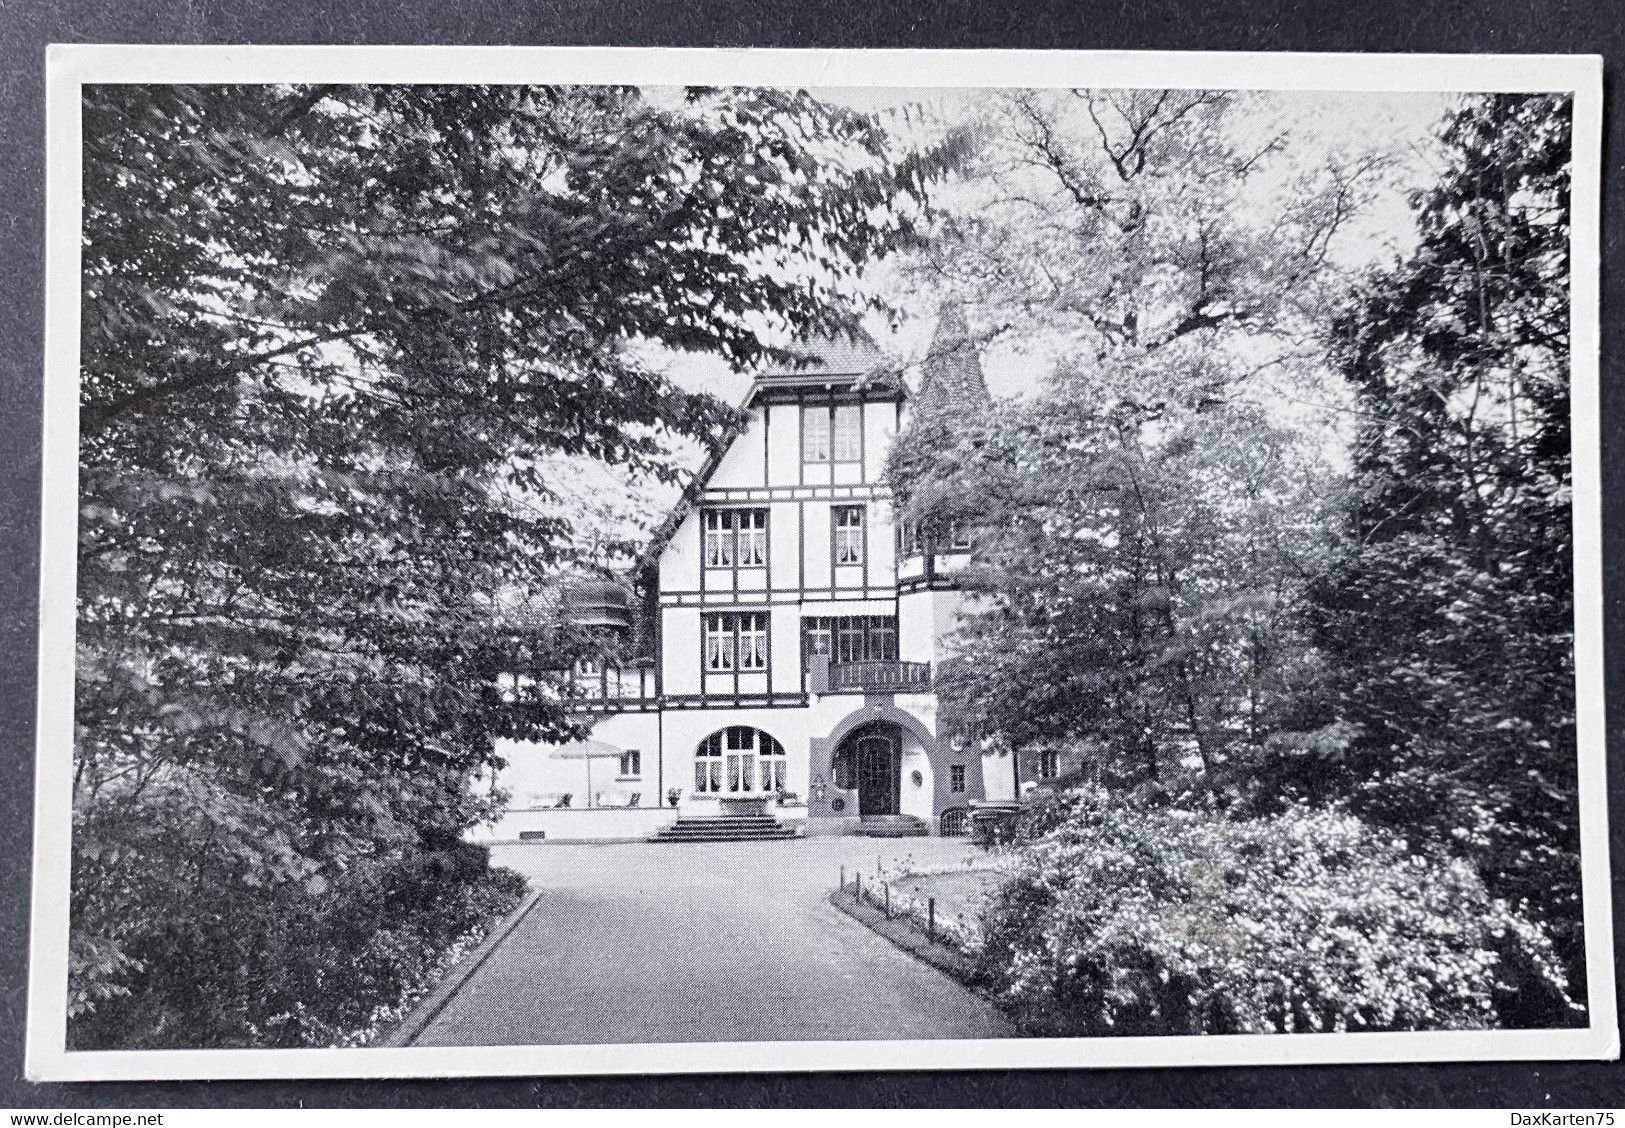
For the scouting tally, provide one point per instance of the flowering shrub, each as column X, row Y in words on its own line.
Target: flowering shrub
column 1129, row 921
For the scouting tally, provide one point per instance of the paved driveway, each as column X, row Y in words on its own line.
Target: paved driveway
column 727, row 941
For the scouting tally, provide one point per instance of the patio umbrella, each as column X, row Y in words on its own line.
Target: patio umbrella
column 588, row 750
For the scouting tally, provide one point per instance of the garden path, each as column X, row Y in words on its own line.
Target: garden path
column 727, row 941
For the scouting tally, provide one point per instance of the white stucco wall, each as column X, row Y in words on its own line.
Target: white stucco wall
column 680, row 562
column 998, row 776
column 784, row 444
column 680, row 650
column 784, row 543
column 744, row 462
column 816, row 552
column 915, row 798
column 536, row 777
column 785, row 640
column 916, row 626
column 879, row 428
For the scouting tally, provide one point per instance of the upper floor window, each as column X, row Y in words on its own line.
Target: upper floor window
column 956, row 777
column 832, row 433
column 735, row 538
column 850, row 638
column 631, row 764
column 815, row 427
column 848, row 534
column 1049, row 764
column 918, row 540
column 736, row 642
column 849, row 433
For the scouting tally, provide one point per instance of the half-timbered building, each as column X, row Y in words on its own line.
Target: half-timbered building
column 781, row 636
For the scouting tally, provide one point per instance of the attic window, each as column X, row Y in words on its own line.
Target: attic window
column 848, row 434
column 815, row 426
column 832, row 434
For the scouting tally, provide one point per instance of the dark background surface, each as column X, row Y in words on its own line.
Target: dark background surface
column 1543, row 26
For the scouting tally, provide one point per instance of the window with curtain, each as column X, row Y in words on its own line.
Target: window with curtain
column 735, row 538
column 719, row 643
column 735, row 641
column 848, row 534
column 739, row 760
column 753, row 641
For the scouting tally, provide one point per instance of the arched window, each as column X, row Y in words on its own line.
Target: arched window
column 739, row 761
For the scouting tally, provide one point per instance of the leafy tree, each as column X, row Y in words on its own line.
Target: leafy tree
column 1447, row 617
column 1139, row 599
column 1146, row 521
column 330, row 337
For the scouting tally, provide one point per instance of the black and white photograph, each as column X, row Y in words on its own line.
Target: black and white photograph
column 581, row 562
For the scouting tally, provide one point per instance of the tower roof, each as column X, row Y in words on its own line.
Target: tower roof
column 952, row 387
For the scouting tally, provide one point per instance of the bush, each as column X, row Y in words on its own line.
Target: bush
column 299, row 965
column 1132, row 921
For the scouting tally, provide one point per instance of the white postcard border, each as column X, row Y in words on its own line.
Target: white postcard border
column 69, row 67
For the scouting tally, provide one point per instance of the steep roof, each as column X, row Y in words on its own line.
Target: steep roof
column 824, row 356
column 846, row 361
column 952, row 387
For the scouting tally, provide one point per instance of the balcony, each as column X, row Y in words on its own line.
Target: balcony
column 590, row 688
column 824, row 676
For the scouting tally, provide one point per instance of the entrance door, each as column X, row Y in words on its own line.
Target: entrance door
column 877, row 774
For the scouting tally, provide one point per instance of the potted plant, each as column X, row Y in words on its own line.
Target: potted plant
column 673, row 794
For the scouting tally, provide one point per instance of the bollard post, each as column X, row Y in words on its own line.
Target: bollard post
column 859, row 880
column 888, row 900
column 843, row 879
column 931, row 919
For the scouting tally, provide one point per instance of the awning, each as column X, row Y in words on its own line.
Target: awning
column 588, row 750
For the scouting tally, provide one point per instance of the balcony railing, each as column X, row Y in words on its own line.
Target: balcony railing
column 879, row 677
column 589, row 690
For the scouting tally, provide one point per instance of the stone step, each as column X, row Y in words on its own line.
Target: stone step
column 729, row 836
column 754, row 836
column 727, row 821
column 894, row 826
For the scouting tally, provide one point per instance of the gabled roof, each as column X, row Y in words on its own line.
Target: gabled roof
column 845, row 355
column 850, row 360
column 952, row 387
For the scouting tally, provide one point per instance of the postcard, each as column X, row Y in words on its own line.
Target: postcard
column 585, row 561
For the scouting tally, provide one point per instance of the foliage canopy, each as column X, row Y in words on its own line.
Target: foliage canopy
column 330, row 336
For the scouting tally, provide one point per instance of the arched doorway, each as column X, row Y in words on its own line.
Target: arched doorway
column 869, row 757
